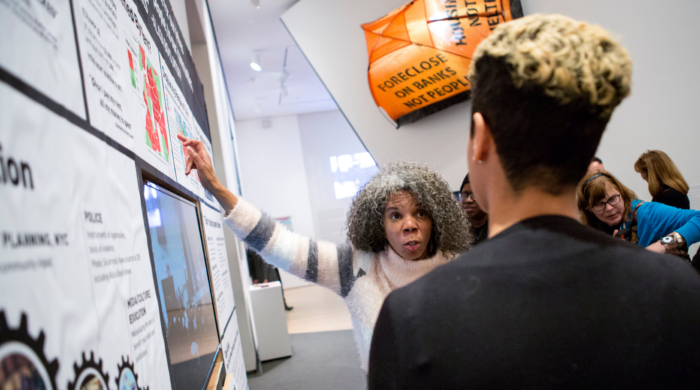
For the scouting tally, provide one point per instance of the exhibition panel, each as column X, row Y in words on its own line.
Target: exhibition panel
column 113, row 268
column 75, row 273
column 39, row 47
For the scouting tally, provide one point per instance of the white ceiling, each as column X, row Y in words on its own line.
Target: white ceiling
column 243, row 30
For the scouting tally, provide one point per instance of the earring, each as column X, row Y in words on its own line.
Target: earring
column 479, row 162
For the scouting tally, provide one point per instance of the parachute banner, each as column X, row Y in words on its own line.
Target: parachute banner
column 419, row 54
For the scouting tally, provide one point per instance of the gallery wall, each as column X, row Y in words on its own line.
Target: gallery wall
column 302, row 181
column 272, row 150
column 93, row 96
column 329, row 34
column 660, row 113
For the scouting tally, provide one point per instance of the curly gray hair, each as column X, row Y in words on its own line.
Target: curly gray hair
column 451, row 231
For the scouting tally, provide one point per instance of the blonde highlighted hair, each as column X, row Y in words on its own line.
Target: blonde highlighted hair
column 568, row 59
column 591, row 190
column 660, row 171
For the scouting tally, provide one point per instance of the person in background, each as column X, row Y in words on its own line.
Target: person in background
column 402, row 224
column 596, row 165
column 607, row 205
column 666, row 184
column 477, row 217
column 262, row 272
column 545, row 302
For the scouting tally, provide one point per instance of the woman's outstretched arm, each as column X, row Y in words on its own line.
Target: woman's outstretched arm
column 321, row 262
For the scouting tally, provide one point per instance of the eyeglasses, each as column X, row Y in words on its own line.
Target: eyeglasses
column 466, row 194
column 612, row 202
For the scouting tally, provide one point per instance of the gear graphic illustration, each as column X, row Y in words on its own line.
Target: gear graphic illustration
column 21, row 335
column 89, row 369
column 127, row 378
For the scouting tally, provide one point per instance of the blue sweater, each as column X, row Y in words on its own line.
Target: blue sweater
column 657, row 220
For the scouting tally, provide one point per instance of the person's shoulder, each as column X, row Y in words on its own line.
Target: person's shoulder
column 674, row 198
column 651, row 268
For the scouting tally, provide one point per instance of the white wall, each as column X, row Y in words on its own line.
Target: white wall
column 661, row 113
column 329, row 34
column 323, row 135
column 273, row 174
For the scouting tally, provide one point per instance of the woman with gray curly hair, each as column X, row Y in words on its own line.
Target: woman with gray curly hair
column 403, row 224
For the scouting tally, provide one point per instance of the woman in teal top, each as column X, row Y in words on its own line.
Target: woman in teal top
column 609, row 206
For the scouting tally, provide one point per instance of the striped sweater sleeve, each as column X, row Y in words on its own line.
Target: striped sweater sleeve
column 320, row 262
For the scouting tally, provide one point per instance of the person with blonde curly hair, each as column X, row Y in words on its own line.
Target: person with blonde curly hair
column 402, row 224
column 545, row 302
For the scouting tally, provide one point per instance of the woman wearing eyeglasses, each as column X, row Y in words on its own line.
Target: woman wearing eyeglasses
column 609, row 206
column 477, row 217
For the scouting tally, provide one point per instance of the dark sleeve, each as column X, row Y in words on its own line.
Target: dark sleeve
column 673, row 198
column 384, row 368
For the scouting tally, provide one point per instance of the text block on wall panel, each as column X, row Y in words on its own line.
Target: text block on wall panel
column 76, row 284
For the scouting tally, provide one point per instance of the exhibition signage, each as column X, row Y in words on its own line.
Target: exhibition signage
column 75, row 273
column 419, row 54
column 92, row 97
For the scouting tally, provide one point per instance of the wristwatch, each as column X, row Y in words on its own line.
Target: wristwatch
column 673, row 238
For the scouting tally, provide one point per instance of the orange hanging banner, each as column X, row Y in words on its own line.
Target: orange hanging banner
column 419, row 54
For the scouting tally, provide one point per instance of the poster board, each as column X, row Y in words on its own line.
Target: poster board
column 93, row 95
column 42, row 50
column 78, row 241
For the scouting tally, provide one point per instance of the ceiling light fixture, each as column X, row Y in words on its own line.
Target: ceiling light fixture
column 255, row 62
column 255, row 3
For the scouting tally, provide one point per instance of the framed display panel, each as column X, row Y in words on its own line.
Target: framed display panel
column 182, row 277
column 88, row 113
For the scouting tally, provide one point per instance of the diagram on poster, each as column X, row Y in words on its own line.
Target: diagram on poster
column 38, row 46
column 180, row 122
column 79, row 235
column 150, row 87
column 144, row 95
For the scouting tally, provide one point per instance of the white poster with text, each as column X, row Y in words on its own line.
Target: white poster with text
column 78, row 305
column 38, row 46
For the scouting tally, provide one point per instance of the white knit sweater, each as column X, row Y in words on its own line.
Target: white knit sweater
column 362, row 278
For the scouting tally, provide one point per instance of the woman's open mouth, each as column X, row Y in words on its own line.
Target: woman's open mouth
column 412, row 245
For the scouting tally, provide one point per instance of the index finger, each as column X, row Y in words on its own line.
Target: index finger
column 188, row 141
column 183, row 138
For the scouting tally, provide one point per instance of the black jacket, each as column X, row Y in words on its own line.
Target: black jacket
column 672, row 197
column 545, row 304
